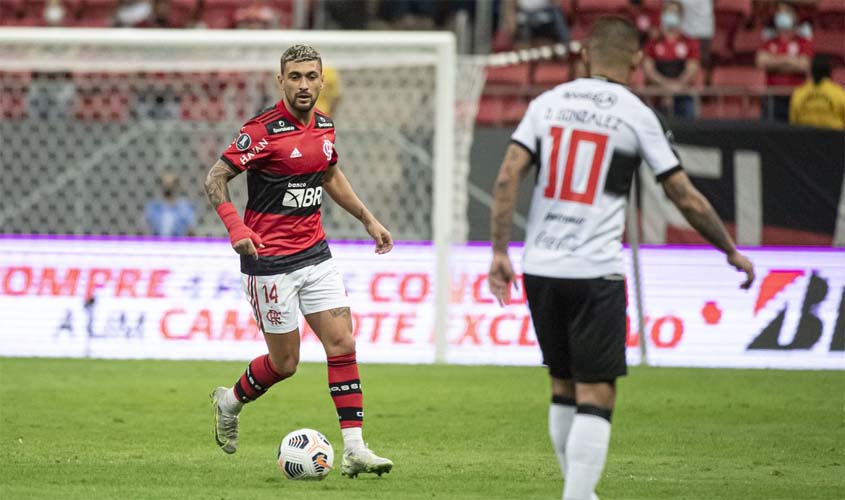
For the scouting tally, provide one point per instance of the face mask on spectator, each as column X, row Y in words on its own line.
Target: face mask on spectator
column 54, row 14
column 133, row 14
column 670, row 20
column 783, row 21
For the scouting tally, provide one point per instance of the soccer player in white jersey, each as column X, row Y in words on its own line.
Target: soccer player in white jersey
column 587, row 136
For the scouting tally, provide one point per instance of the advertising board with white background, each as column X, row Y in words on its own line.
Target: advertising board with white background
column 108, row 297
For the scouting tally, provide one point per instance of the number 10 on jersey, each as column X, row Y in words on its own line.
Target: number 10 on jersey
column 566, row 189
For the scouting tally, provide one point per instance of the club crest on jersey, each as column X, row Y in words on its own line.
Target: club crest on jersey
column 243, row 142
column 328, row 148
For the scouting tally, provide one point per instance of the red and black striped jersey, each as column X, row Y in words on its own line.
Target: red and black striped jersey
column 285, row 163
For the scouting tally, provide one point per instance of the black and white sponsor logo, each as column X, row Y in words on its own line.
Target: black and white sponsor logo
column 602, row 100
column 280, row 126
column 298, row 195
column 243, row 142
column 324, row 122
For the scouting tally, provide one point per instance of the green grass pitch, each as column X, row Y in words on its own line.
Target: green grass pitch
column 91, row 429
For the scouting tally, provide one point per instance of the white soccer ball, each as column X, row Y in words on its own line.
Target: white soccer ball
column 305, row 454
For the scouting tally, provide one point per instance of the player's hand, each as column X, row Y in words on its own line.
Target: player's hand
column 382, row 237
column 247, row 246
column 741, row 263
column 500, row 278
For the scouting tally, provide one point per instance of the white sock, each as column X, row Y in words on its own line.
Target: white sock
column 352, row 438
column 560, row 421
column 586, row 451
column 230, row 403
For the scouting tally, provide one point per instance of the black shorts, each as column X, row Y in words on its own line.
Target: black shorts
column 580, row 325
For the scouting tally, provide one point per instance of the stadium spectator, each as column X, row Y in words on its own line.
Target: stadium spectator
column 172, row 214
column 819, row 102
column 698, row 22
column 330, row 95
column 256, row 16
column 786, row 60
column 407, row 14
column 132, row 13
column 54, row 13
column 671, row 61
column 533, row 23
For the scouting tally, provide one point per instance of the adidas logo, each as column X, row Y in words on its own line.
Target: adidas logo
column 295, row 153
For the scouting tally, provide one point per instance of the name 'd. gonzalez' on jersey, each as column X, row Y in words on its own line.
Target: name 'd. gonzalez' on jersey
column 584, row 116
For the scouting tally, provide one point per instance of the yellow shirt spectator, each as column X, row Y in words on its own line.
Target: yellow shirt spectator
column 330, row 95
column 818, row 105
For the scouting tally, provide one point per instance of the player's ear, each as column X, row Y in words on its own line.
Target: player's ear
column 636, row 59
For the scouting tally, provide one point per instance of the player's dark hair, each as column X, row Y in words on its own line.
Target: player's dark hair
column 300, row 53
column 820, row 67
column 613, row 40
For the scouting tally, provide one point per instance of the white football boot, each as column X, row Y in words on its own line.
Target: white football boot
column 225, row 423
column 362, row 460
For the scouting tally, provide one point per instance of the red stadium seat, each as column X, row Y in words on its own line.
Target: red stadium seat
column 550, row 74
column 491, row 110
column 96, row 13
column 739, row 7
column 101, row 97
column 748, row 77
column 729, row 14
column 516, row 74
column 219, row 14
column 183, row 13
column 831, row 14
column 830, row 42
column 720, row 47
column 515, row 109
column 740, row 106
column 14, row 88
column 588, row 11
column 746, row 43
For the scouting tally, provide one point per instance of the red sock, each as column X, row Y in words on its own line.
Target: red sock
column 257, row 378
column 345, row 388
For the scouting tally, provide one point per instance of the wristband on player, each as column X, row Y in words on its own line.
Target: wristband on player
column 235, row 225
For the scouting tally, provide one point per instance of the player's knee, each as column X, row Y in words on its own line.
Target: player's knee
column 341, row 344
column 288, row 368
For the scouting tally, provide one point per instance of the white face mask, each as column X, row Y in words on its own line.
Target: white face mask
column 54, row 14
column 670, row 20
column 133, row 14
column 784, row 21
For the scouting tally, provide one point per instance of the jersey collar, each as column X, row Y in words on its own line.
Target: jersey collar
column 280, row 106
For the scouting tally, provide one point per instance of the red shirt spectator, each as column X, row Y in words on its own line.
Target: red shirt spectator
column 670, row 55
column 792, row 45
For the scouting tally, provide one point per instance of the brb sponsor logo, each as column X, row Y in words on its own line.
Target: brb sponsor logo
column 807, row 331
column 300, row 196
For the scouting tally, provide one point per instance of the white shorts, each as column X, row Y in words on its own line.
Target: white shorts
column 276, row 300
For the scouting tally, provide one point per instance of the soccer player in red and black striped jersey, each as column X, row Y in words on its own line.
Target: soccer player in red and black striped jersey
column 288, row 154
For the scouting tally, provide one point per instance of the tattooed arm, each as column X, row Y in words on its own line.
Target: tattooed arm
column 216, row 183
column 703, row 218
column 505, row 192
column 243, row 239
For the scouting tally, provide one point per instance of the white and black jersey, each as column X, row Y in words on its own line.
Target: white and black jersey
column 588, row 137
